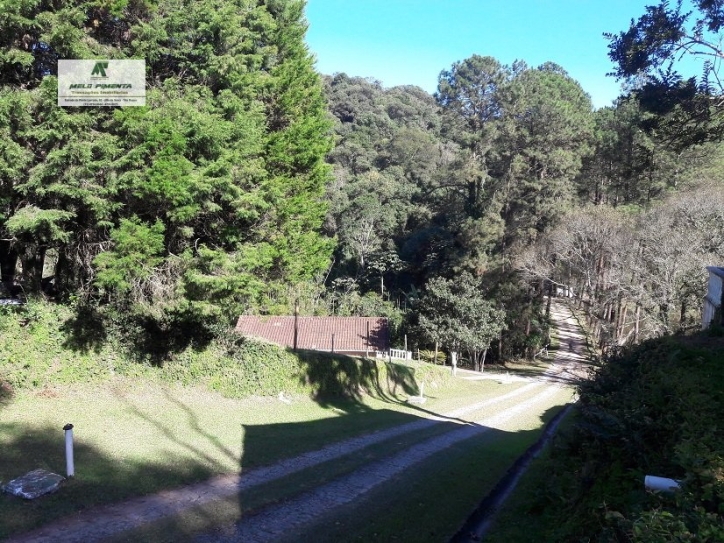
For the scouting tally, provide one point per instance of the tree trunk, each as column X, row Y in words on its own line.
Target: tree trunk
column 599, row 278
column 664, row 314
column 62, row 271
column 589, row 307
column 550, row 296
column 482, row 359
column 33, row 270
column 636, row 327
column 621, row 321
column 8, row 262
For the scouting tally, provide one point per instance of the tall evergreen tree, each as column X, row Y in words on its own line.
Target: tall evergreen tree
column 546, row 131
column 225, row 163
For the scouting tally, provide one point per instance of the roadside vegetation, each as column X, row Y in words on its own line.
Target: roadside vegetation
column 652, row 409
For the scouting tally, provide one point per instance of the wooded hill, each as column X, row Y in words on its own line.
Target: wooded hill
column 250, row 183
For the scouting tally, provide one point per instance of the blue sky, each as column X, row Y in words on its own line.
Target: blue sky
column 411, row 41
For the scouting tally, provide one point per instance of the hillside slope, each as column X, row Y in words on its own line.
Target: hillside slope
column 653, row 409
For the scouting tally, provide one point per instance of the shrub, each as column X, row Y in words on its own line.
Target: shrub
column 652, row 409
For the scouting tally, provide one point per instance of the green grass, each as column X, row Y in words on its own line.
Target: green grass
column 134, row 437
column 427, row 503
column 431, row 501
column 142, row 427
column 527, row 368
column 521, row 514
column 226, row 511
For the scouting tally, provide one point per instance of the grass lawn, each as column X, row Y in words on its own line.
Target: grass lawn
column 141, row 428
column 427, row 503
column 135, row 437
column 522, row 514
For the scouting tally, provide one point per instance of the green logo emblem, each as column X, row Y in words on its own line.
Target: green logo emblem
column 100, row 69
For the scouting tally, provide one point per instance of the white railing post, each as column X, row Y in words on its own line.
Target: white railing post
column 69, row 466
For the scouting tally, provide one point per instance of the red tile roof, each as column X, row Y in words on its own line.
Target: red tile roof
column 315, row 333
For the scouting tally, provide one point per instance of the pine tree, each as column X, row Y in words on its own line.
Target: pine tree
column 224, row 165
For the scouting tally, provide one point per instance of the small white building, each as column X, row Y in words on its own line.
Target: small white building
column 713, row 299
column 564, row 291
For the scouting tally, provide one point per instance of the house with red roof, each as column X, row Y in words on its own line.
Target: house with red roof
column 354, row 336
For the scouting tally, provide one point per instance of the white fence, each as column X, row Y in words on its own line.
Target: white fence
column 397, row 354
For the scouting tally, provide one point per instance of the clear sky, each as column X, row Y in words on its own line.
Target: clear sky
column 409, row 42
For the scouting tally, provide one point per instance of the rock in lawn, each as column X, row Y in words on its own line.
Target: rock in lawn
column 34, row 484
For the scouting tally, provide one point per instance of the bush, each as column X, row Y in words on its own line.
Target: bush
column 651, row 409
column 429, row 356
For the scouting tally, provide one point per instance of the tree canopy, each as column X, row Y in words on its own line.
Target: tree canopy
column 456, row 314
column 204, row 199
column 648, row 56
column 249, row 182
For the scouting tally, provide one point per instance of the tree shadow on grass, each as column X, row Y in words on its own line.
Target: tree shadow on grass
column 486, row 513
column 104, row 480
column 99, row 479
column 85, row 331
column 406, row 504
column 340, row 383
column 307, row 455
column 336, row 378
column 432, row 498
column 169, row 433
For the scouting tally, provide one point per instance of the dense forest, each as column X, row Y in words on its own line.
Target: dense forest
column 251, row 184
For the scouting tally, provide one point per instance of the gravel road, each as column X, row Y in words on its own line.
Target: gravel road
column 274, row 522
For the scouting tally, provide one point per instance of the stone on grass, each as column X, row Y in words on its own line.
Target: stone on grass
column 418, row 399
column 34, row 484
